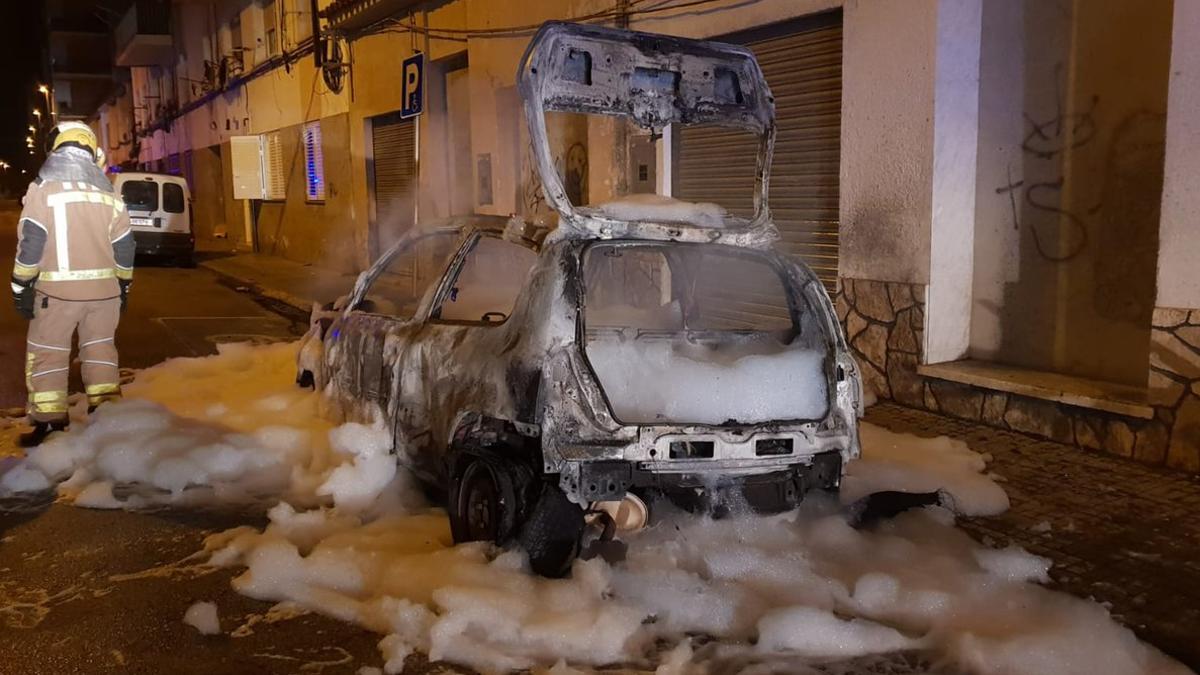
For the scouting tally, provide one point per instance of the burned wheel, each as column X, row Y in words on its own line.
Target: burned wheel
column 482, row 503
column 551, row 536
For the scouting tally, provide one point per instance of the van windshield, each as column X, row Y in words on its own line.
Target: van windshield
column 701, row 334
column 140, row 195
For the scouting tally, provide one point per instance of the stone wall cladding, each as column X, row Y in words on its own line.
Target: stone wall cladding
column 885, row 327
column 1175, row 383
column 884, row 324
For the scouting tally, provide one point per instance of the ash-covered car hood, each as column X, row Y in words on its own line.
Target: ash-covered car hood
column 655, row 81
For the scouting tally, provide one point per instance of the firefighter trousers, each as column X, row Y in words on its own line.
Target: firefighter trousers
column 48, row 356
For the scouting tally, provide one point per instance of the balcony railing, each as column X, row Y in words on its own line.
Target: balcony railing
column 143, row 37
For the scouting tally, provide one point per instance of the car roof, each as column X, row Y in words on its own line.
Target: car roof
column 148, row 175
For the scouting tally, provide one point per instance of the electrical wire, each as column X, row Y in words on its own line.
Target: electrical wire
column 635, row 8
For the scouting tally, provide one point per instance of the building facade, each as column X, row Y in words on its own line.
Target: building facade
column 1000, row 193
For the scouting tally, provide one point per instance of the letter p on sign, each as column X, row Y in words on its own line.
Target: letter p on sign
column 414, row 84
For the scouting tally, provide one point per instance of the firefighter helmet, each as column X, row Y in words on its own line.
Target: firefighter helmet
column 77, row 134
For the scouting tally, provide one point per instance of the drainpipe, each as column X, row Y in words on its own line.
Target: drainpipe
column 318, row 48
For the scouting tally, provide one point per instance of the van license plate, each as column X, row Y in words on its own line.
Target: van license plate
column 141, row 221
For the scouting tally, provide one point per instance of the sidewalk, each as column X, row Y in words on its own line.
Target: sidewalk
column 1119, row 531
column 295, row 284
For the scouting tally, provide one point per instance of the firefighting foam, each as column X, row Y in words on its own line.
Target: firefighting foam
column 351, row 537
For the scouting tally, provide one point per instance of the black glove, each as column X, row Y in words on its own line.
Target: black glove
column 22, row 290
column 125, row 284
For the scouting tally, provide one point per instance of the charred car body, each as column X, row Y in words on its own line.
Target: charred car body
column 618, row 359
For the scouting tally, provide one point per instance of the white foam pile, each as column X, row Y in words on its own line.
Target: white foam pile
column 656, row 208
column 893, row 461
column 655, row 381
column 203, row 617
column 348, row 538
column 222, row 429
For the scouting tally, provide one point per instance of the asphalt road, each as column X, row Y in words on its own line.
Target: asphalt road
column 85, row 591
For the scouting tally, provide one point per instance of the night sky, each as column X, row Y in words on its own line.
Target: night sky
column 22, row 34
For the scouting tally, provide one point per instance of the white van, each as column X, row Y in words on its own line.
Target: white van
column 160, row 214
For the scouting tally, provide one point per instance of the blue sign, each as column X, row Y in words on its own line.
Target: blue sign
column 414, row 85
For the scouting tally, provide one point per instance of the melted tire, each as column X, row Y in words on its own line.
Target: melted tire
column 551, row 536
column 482, row 503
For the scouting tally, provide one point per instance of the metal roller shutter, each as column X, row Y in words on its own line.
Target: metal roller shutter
column 393, row 178
column 803, row 65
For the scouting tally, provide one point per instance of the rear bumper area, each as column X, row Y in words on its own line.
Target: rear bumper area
column 163, row 243
column 779, row 489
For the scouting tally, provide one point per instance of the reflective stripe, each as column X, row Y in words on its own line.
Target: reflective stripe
column 103, row 388
column 61, row 249
column 124, row 273
column 58, row 202
column 89, row 343
column 79, row 275
column 48, row 402
column 48, row 372
column 24, row 271
column 42, row 346
column 50, row 408
column 100, row 363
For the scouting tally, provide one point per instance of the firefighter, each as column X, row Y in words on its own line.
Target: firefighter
column 72, row 274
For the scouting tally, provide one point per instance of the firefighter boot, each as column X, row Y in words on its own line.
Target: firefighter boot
column 41, row 430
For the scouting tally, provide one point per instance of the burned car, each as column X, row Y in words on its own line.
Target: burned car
column 640, row 352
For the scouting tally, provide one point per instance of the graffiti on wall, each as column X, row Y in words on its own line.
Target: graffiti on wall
column 1059, row 234
column 572, row 168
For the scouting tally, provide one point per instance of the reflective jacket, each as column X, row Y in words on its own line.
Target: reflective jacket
column 75, row 238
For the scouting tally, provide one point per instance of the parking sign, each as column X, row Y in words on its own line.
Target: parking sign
column 413, row 83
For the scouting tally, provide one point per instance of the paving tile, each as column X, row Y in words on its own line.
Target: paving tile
column 1123, row 533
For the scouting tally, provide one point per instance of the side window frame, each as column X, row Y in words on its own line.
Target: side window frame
column 451, row 276
column 368, row 278
column 162, row 191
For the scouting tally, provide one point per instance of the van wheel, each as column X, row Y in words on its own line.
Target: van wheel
column 187, row 260
column 551, row 536
column 482, row 503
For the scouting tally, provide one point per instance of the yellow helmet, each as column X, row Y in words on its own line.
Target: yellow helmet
column 76, row 133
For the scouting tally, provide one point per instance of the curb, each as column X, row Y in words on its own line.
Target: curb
column 294, row 301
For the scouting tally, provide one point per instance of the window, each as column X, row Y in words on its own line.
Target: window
column 297, row 22
column 683, row 289
column 399, row 286
column 270, row 12
column 488, row 283
column 172, row 198
column 699, row 334
column 314, row 163
column 140, row 195
column 275, row 179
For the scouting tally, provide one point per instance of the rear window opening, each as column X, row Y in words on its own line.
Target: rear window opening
column 140, row 195
column 701, row 334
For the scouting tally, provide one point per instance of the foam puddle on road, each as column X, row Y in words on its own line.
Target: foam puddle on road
column 350, row 537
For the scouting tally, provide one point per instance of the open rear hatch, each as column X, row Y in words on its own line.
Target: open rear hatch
column 694, row 334
column 655, row 81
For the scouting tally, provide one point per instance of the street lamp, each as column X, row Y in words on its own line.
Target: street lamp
column 32, row 129
column 45, row 91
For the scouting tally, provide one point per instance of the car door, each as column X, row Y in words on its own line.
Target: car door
column 176, row 208
column 365, row 346
column 457, row 361
column 142, row 200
